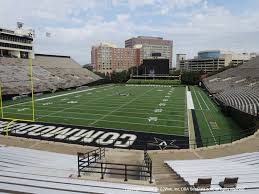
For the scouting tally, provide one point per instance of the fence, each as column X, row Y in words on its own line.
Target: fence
column 91, row 162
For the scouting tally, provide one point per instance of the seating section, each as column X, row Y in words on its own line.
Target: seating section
column 243, row 166
column 32, row 171
column 50, row 73
column 237, row 87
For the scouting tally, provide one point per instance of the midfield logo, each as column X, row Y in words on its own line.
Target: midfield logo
column 164, row 144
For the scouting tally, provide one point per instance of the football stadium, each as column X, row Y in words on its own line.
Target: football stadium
column 131, row 124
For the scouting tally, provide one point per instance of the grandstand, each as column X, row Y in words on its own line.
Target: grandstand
column 237, row 87
column 50, row 73
column 243, row 168
column 32, row 171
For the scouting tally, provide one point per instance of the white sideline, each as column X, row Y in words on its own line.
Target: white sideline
column 189, row 100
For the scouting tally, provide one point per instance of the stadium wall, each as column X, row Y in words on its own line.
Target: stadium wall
column 92, row 136
column 243, row 119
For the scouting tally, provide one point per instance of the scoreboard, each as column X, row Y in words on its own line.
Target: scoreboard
column 155, row 66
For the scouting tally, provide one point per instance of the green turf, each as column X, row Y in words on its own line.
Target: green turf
column 103, row 106
column 212, row 122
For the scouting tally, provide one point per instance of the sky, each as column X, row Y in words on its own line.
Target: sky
column 193, row 25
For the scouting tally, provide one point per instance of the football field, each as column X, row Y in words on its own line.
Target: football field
column 140, row 108
column 213, row 124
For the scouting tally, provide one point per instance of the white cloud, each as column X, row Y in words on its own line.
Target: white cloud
column 166, row 6
column 204, row 26
column 78, row 41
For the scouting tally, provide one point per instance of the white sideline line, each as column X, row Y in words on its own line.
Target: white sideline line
column 189, row 100
column 41, row 99
column 197, row 99
column 203, row 100
column 187, row 112
column 206, row 121
column 213, row 105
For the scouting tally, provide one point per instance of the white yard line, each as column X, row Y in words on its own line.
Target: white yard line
column 203, row 100
column 120, row 107
column 197, row 99
column 116, row 104
column 53, row 113
column 41, row 99
column 106, row 110
column 206, row 120
column 81, row 113
column 213, row 105
column 79, row 118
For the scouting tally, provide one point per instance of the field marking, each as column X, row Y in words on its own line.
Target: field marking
column 121, row 106
column 144, row 118
column 187, row 113
column 146, row 100
column 197, row 99
column 211, row 102
column 96, row 104
column 74, row 107
column 145, row 109
column 159, row 114
column 80, row 118
column 214, row 125
column 41, row 99
column 203, row 100
column 207, row 121
column 67, row 108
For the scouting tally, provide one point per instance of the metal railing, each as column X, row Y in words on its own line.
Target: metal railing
column 84, row 160
column 91, row 162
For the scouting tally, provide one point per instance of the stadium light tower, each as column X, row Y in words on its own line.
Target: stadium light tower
column 19, row 25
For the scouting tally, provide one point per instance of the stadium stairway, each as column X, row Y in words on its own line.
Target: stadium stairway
column 166, row 180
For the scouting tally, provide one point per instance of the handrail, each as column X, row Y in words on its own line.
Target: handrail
column 93, row 157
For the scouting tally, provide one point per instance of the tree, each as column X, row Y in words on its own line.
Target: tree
column 190, row 78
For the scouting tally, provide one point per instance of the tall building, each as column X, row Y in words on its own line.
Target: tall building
column 152, row 47
column 179, row 58
column 16, row 43
column 213, row 60
column 107, row 58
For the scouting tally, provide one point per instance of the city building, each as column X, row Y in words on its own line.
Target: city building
column 152, row 47
column 179, row 58
column 107, row 58
column 213, row 60
column 16, row 43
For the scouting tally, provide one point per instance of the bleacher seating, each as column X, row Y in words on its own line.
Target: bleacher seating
column 237, row 87
column 32, row 171
column 243, row 166
column 50, row 73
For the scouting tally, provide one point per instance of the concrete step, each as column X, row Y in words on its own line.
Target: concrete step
column 168, row 180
